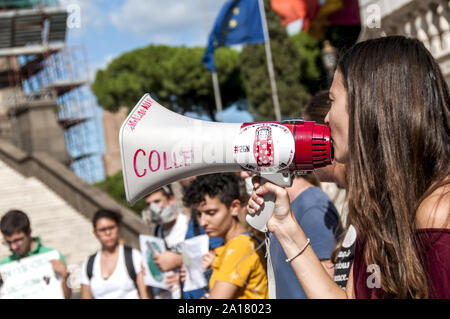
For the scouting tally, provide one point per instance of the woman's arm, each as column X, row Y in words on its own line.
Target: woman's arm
column 313, row 277
column 142, row 288
column 86, row 292
column 146, row 292
column 328, row 266
column 61, row 270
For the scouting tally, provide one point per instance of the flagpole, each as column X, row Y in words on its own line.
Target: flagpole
column 273, row 85
column 217, row 96
column 215, row 79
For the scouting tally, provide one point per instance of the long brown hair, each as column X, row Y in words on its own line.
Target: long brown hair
column 398, row 105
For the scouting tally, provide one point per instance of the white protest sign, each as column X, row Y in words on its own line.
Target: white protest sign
column 150, row 246
column 193, row 251
column 31, row 278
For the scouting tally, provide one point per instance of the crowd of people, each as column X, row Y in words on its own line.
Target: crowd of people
column 388, row 112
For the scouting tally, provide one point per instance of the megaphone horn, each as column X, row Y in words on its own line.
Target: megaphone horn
column 159, row 147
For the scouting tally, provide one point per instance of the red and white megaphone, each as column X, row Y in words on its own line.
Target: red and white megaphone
column 159, row 147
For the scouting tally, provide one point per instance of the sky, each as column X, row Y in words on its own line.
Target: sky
column 108, row 28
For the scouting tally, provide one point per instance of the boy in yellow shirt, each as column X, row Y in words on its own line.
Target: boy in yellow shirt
column 238, row 271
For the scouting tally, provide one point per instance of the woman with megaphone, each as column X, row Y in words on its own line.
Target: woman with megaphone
column 390, row 124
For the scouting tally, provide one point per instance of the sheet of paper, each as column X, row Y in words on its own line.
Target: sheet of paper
column 31, row 278
column 150, row 246
column 193, row 251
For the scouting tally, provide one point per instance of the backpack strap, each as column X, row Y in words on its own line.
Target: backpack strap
column 90, row 265
column 156, row 230
column 159, row 232
column 128, row 254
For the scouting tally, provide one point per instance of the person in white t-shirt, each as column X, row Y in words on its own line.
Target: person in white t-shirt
column 106, row 275
column 170, row 225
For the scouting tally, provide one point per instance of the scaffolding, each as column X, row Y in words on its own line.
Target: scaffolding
column 36, row 66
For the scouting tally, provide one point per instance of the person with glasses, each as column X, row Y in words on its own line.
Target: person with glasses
column 114, row 272
column 16, row 229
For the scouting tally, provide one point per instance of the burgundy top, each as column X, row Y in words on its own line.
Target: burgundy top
column 435, row 252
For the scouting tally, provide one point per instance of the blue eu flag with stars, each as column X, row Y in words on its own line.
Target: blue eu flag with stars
column 239, row 21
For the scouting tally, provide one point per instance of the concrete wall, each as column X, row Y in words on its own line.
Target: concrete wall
column 111, row 128
column 38, row 124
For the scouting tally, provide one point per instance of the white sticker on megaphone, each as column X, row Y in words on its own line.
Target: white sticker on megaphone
column 264, row 147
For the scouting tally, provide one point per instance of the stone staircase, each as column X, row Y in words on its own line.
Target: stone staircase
column 58, row 224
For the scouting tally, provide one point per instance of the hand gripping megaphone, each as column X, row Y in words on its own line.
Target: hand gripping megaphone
column 159, row 147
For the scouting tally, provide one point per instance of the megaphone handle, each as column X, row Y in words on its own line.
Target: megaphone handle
column 259, row 220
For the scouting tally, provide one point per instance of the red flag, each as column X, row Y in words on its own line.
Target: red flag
column 348, row 15
column 291, row 10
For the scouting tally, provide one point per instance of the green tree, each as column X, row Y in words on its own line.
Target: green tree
column 175, row 76
column 287, row 65
column 113, row 185
column 312, row 72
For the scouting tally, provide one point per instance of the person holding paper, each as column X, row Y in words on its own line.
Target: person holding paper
column 16, row 229
column 171, row 226
column 194, row 230
column 239, row 270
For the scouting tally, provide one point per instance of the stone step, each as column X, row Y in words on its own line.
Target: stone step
column 58, row 224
